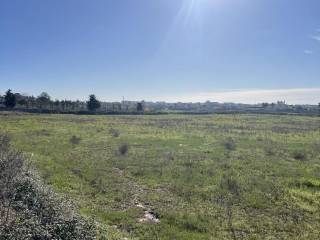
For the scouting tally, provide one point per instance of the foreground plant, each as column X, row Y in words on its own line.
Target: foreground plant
column 31, row 210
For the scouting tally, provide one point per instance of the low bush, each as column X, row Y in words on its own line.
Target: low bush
column 299, row 155
column 31, row 210
column 168, row 156
column 4, row 142
column 123, row 148
column 114, row 133
column 230, row 144
column 74, row 140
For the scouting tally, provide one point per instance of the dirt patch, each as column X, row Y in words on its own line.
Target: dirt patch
column 149, row 216
column 118, row 171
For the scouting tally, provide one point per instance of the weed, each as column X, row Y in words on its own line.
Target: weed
column 300, row 156
column 230, row 144
column 74, row 140
column 29, row 209
column 123, row 148
column 168, row 156
column 114, row 133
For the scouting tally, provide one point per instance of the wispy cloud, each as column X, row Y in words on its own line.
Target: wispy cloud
column 308, row 52
column 316, row 37
column 291, row 96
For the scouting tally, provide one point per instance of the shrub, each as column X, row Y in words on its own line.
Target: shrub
column 301, row 156
column 270, row 151
column 114, row 133
column 123, row 148
column 169, row 156
column 74, row 140
column 4, row 141
column 230, row 144
column 31, row 210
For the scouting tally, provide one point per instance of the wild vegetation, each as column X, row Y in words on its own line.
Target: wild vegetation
column 31, row 210
column 181, row 176
column 44, row 104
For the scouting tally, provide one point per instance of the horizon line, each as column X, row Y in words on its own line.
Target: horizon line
column 293, row 96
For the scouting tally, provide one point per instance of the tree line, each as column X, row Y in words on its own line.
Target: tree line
column 44, row 102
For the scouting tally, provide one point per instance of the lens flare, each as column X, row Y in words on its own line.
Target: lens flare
column 186, row 31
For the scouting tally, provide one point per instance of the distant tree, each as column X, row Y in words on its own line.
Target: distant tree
column 63, row 105
column 77, row 105
column 10, row 99
column 140, row 107
column 43, row 99
column 22, row 102
column 68, row 105
column 57, row 104
column 93, row 104
column 32, row 102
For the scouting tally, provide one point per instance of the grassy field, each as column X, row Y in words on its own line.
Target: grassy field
column 203, row 177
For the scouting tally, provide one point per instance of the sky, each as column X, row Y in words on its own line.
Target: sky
column 162, row 50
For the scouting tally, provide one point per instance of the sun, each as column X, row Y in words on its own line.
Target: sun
column 187, row 24
column 195, row 10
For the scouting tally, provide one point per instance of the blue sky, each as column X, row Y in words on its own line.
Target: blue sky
column 161, row 49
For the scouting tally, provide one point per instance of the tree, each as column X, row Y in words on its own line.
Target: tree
column 10, row 99
column 32, row 102
column 22, row 102
column 93, row 104
column 57, row 104
column 43, row 99
column 140, row 107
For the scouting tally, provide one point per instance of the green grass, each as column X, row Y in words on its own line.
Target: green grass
column 205, row 177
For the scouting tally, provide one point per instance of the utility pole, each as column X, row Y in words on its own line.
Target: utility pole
column 122, row 105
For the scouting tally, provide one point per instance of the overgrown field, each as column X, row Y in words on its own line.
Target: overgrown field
column 203, row 177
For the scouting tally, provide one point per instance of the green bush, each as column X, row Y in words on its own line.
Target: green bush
column 230, row 144
column 74, row 140
column 114, row 133
column 300, row 155
column 31, row 210
column 123, row 148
